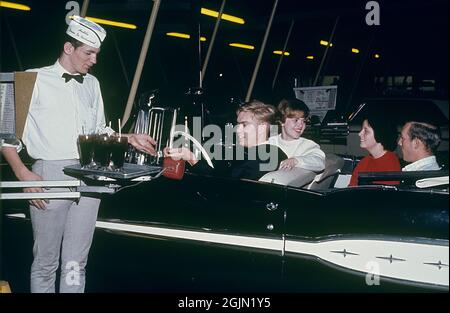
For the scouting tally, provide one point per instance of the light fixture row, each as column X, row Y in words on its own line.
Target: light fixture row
column 204, row 11
column 15, row 6
column 233, row 44
column 226, row 17
column 251, row 47
column 353, row 50
column 183, row 35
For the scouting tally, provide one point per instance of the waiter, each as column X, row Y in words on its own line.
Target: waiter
column 65, row 103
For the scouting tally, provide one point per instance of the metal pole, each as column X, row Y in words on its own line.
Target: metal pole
column 358, row 72
column 84, row 8
column 13, row 42
column 261, row 52
column 140, row 65
column 199, row 44
column 1, row 241
column 326, row 51
column 282, row 55
column 194, row 44
column 122, row 64
column 211, row 44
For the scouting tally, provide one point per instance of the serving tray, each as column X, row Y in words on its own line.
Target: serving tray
column 129, row 171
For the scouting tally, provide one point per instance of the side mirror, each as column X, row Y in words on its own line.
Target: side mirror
column 173, row 169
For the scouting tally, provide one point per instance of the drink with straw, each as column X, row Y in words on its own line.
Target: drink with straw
column 119, row 146
column 102, row 151
column 86, row 149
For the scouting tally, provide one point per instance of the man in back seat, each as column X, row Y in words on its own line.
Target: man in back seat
column 419, row 142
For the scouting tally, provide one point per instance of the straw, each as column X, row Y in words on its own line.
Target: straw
column 172, row 129
column 82, row 129
column 120, row 129
column 185, row 130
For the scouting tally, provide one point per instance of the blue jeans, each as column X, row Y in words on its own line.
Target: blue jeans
column 66, row 223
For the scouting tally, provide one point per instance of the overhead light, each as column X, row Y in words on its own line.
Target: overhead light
column 310, row 57
column 179, row 35
column 354, row 50
column 183, row 35
column 376, row 56
column 226, row 17
column 12, row 5
column 241, row 45
column 281, row 52
column 111, row 23
column 325, row 43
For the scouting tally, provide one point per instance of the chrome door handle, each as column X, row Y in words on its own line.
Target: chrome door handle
column 271, row 206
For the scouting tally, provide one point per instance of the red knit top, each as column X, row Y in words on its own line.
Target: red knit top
column 387, row 163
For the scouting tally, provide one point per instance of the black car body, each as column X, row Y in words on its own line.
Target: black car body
column 208, row 234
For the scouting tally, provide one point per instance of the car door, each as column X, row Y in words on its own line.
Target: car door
column 201, row 233
column 334, row 239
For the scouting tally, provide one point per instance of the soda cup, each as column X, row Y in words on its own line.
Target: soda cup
column 119, row 147
column 86, row 149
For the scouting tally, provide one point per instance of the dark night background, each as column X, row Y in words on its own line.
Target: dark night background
column 412, row 41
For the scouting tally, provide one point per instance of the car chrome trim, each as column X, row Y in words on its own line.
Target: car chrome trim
column 205, row 236
column 235, row 240
column 415, row 258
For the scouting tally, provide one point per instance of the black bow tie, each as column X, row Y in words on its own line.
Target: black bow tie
column 68, row 77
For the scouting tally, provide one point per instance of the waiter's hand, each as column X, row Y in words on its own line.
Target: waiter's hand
column 142, row 142
column 27, row 175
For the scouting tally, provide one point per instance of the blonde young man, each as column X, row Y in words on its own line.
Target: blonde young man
column 258, row 155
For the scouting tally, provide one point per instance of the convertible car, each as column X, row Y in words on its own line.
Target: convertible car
column 216, row 234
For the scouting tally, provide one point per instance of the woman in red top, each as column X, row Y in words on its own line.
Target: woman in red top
column 378, row 137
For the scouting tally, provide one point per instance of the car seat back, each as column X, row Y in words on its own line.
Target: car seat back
column 333, row 166
column 297, row 177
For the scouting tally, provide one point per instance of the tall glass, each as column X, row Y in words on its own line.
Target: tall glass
column 119, row 147
column 86, row 149
column 102, row 151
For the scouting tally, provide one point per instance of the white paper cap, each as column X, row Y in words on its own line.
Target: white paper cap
column 86, row 31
